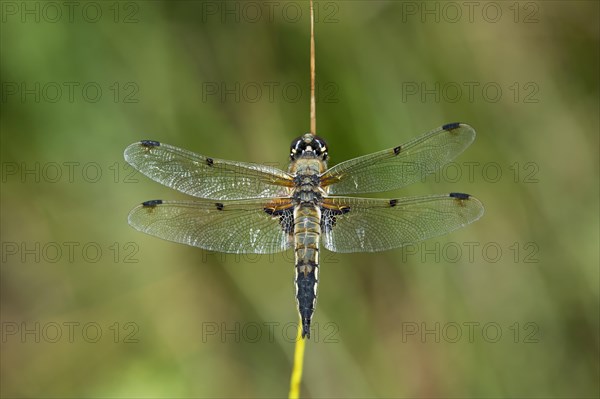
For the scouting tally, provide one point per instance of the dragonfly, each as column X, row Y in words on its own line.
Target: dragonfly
column 245, row 208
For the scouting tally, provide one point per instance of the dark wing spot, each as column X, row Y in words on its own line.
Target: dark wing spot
column 286, row 218
column 219, row 206
column 149, row 143
column 151, row 204
column 329, row 219
column 451, row 126
column 397, row 150
column 334, row 212
column 209, row 161
column 393, row 202
column 276, row 212
column 460, row 196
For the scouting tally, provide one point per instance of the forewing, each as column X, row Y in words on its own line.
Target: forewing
column 206, row 177
column 399, row 166
column 246, row 226
column 372, row 225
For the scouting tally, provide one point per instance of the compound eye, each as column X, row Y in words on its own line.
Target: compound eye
column 296, row 147
column 320, row 145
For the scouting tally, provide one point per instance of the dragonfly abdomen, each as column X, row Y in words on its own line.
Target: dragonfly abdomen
column 307, row 231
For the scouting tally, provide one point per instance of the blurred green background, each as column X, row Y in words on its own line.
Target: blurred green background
column 507, row 307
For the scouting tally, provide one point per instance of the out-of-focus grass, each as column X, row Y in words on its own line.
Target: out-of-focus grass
column 541, row 212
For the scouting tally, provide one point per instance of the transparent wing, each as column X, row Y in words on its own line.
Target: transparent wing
column 399, row 166
column 372, row 225
column 246, row 226
column 206, row 177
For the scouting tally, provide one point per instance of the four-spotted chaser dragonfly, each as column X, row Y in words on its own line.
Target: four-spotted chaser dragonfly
column 253, row 208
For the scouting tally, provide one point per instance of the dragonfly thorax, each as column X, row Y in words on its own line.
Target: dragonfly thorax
column 306, row 179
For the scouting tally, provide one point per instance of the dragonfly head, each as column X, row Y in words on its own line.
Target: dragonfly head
column 308, row 146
